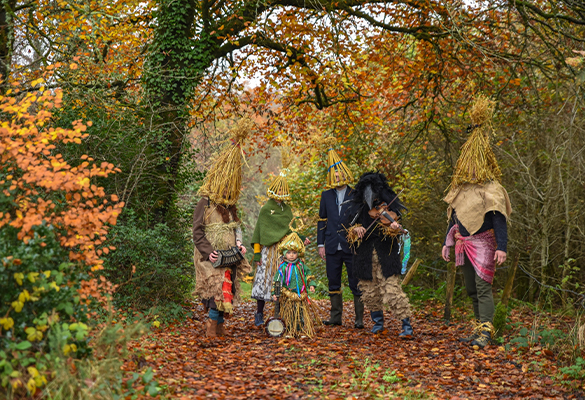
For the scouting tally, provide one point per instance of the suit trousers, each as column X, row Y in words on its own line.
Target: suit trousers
column 334, row 266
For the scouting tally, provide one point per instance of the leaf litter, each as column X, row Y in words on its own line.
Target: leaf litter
column 343, row 362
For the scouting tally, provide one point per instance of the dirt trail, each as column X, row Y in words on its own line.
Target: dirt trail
column 342, row 363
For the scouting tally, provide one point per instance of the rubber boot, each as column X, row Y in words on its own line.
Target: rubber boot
column 406, row 329
column 359, row 312
column 378, row 318
column 211, row 326
column 259, row 319
column 336, row 310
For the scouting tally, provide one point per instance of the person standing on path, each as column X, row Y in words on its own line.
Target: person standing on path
column 374, row 234
column 478, row 210
column 216, row 228
column 332, row 241
column 272, row 226
column 298, row 311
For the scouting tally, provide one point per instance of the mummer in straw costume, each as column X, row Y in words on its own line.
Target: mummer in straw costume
column 298, row 311
column 478, row 209
column 375, row 235
column 272, row 226
column 331, row 240
column 218, row 258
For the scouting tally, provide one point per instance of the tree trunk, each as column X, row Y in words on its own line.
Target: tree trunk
column 6, row 41
column 175, row 67
column 450, row 289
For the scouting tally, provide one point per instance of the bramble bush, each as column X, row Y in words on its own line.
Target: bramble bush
column 53, row 222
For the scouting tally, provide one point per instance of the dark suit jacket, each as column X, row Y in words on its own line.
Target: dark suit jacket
column 331, row 232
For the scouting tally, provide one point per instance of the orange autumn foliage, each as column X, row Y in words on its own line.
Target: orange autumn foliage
column 42, row 187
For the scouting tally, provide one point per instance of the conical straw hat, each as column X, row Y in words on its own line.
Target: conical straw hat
column 278, row 189
column 292, row 242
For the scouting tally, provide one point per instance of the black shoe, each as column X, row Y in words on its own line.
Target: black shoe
column 259, row 319
column 474, row 334
column 483, row 340
column 469, row 338
column 359, row 313
column 485, row 330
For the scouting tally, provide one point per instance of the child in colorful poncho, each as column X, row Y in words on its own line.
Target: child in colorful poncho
column 296, row 308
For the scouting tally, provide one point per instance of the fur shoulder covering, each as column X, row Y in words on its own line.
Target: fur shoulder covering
column 373, row 189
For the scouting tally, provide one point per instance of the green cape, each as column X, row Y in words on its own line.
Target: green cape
column 273, row 223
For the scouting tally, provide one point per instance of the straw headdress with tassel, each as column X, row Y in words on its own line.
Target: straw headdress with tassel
column 477, row 162
column 223, row 182
column 293, row 241
column 278, row 189
column 335, row 164
column 475, row 187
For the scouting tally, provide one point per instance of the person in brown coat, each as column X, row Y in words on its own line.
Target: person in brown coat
column 216, row 228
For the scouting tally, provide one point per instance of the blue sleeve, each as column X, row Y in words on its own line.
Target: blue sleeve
column 500, row 230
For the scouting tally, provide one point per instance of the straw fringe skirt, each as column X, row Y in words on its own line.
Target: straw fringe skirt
column 299, row 314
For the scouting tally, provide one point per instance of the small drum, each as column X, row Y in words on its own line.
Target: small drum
column 275, row 327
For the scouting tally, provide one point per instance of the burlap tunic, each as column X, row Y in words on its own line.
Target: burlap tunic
column 210, row 233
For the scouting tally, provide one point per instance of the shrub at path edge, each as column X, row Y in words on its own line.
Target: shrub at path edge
column 53, row 220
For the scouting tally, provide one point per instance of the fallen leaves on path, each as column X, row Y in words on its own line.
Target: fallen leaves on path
column 342, row 362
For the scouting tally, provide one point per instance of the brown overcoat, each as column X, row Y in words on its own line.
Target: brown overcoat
column 211, row 233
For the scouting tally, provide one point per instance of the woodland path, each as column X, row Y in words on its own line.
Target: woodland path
column 343, row 363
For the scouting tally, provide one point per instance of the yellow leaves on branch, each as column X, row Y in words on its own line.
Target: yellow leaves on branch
column 18, row 276
column 27, row 155
column 69, row 348
column 6, row 323
column 33, row 334
column 36, row 379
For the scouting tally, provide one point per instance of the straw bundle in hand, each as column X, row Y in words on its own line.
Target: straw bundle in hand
column 353, row 238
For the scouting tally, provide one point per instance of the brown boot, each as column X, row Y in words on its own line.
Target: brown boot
column 474, row 334
column 220, row 330
column 486, row 331
column 211, row 326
